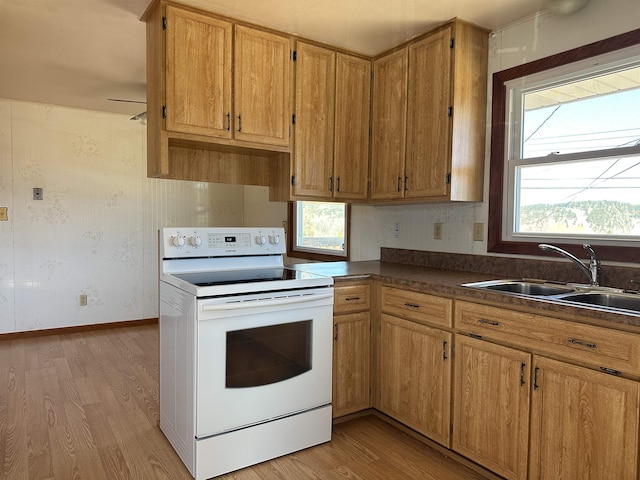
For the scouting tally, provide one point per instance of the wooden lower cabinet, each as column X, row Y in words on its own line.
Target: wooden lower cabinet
column 584, row 424
column 415, row 376
column 351, row 347
column 351, row 363
column 491, row 406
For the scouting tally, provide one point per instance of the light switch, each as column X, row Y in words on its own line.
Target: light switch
column 3, row 214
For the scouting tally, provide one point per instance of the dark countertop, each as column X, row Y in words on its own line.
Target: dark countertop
column 448, row 283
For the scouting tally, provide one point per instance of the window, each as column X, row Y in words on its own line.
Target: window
column 565, row 155
column 319, row 230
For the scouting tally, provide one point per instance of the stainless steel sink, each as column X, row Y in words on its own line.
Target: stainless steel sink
column 588, row 296
column 523, row 287
column 626, row 301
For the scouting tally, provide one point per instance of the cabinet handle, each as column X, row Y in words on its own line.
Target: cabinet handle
column 522, row 367
column 411, row 305
column 611, row 371
column 399, row 180
column 351, row 299
column 535, row 378
column 338, row 186
column 444, row 350
column 581, row 343
column 335, row 333
column 406, row 180
column 488, row 322
column 239, row 123
column 331, row 184
column 228, row 121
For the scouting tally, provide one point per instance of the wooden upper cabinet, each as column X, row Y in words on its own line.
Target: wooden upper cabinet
column 389, row 125
column 444, row 131
column 198, row 73
column 429, row 124
column 353, row 103
column 262, row 82
column 314, row 127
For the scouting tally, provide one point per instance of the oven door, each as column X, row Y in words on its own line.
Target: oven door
column 261, row 357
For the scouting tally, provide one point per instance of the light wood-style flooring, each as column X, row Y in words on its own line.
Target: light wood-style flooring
column 84, row 405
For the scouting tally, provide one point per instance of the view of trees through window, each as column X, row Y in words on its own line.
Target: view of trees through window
column 578, row 171
column 321, row 226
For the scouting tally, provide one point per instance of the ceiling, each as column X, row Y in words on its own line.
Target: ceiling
column 80, row 53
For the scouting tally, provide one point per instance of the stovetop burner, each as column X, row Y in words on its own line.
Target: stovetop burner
column 207, row 279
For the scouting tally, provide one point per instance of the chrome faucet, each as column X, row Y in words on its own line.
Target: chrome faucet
column 592, row 271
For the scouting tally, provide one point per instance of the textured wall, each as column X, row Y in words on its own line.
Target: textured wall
column 95, row 231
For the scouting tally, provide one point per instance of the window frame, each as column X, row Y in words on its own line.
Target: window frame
column 316, row 256
column 499, row 128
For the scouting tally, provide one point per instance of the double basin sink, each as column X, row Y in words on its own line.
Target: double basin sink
column 601, row 297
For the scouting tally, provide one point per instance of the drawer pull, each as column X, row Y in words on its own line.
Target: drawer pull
column 522, row 367
column 584, row 344
column 488, row 322
column 444, row 350
column 351, row 299
column 535, row 378
column 611, row 371
column 411, row 305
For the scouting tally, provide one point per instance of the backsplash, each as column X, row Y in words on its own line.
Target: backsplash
column 510, row 267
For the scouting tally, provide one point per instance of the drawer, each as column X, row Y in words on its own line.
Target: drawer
column 587, row 344
column 351, row 298
column 421, row 307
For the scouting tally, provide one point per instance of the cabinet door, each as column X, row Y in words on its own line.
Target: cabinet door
column 415, row 376
column 262, row 95
column 198, row 74
column 491, row 406
column 315, row 90
column 429, row 124
column 351, row 363
column 584, row 424
column 351, row 153
column 389, row 125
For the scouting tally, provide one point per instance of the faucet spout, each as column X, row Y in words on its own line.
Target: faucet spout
column 592, row 271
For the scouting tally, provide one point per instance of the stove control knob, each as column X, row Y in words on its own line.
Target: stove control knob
column 260, row 239
column 195, row 241
column 274, row 239
column 178, row 241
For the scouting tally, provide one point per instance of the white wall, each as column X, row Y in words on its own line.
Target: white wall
column 529, row 39
column 95, row 231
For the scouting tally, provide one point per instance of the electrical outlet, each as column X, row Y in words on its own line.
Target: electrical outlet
column 478, row 232
column 397, row 230
column 83, row 300
column 3, row 214
column 437, row 231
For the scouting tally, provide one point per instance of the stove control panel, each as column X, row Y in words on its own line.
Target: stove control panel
column 221, row 242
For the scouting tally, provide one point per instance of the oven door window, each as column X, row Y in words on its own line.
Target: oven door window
column 264, row 355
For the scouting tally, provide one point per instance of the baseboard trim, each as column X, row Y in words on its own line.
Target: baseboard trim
column 76, row 329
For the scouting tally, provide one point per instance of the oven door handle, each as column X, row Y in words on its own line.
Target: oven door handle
column 272, row 302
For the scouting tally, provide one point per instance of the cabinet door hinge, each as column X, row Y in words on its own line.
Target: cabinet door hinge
column 452, row 42
column 164, row 111
column 448, row 178
column 293, row 180
column 164, row 23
